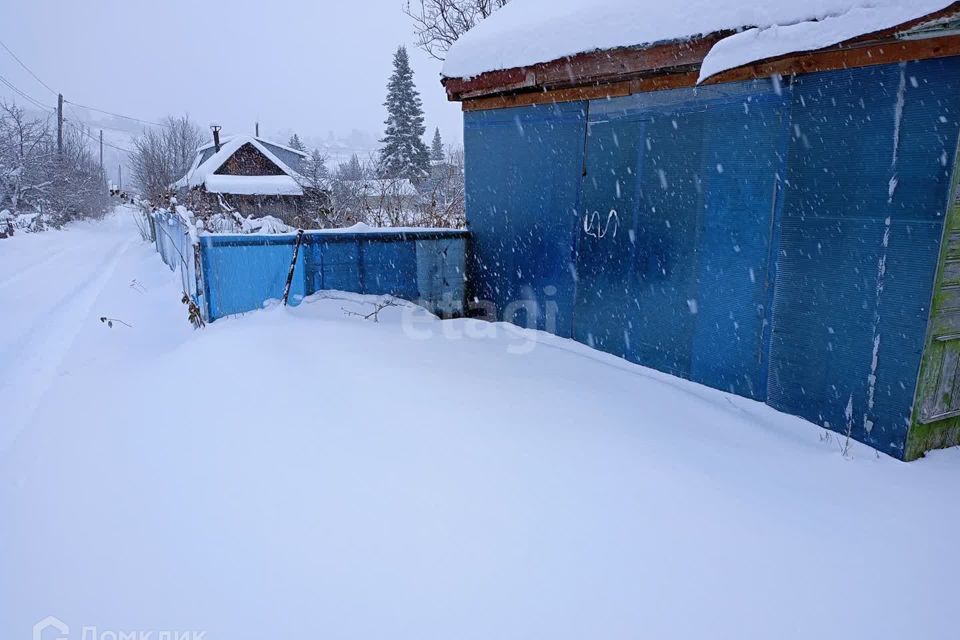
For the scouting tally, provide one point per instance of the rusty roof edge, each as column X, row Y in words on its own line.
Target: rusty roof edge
column 619, row 63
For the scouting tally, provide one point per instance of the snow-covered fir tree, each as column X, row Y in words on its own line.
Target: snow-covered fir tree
column 404, row 155
column 314, row 170
column 351, row 170
column 436, row 148
column 296, row 143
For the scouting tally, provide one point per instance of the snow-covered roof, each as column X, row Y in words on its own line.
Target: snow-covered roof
column 377, row 187
column 227, row 139
column 527, row 32
column 204, row 173
column 253, row 185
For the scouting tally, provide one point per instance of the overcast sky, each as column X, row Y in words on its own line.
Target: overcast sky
column 311, row 66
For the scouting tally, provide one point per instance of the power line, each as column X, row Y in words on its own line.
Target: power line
column 25, row 95
column 83, row 131
column 117, row 115
column 95, row 138
column 51, row 109
column 56, row 93
column 35, row 76
column 87, row 133
column 90, row 135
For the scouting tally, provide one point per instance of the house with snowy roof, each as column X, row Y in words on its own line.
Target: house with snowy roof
column 250, row 175
column 375, row 190
column 756, row 196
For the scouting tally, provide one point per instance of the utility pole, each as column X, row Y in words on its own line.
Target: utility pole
column 60, row 123
column 120, row 176
column 256, row 129
column 101, row 149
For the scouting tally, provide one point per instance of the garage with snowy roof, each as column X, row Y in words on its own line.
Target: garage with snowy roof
column 760, row 197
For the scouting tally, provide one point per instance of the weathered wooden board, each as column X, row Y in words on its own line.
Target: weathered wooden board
column 616, row 72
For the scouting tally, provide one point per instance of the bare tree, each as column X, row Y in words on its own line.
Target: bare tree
column 25, row 150
column 438, row 23
column 442, row 195
column 77, row 186
column 42, row 184
column 348, row 187
column 363, row 192
column 163, row 156
column 314, row 179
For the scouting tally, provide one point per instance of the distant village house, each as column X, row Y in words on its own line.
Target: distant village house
column 253, row 177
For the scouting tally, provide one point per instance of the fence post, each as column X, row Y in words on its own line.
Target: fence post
column 361, row 265
column 198, row 274
column 293, row 265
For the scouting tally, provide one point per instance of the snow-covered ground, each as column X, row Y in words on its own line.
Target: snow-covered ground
column 305, row 473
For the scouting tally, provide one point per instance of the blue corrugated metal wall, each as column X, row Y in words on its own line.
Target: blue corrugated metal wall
column 241, row 272
column 676, row 218
column 866, row 191
column 524, row 176
column 734, row 234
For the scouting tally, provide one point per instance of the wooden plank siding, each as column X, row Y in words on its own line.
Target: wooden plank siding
column 936, row 417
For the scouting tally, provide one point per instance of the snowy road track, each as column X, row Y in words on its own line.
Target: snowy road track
column 300, row 472
column 24, row 271
column 55, row 301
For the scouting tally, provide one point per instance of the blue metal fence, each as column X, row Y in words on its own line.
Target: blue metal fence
column 176, row 243
column 242, row 272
